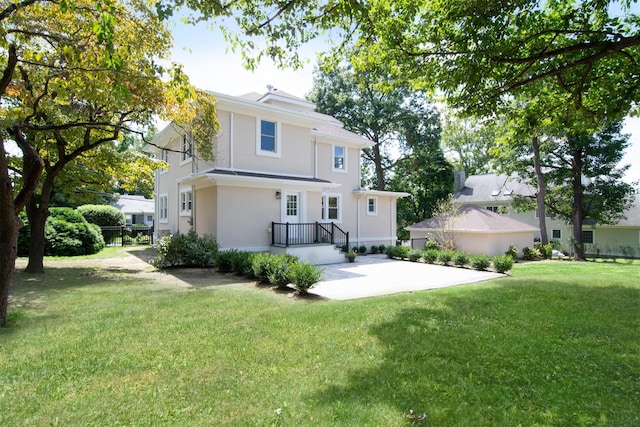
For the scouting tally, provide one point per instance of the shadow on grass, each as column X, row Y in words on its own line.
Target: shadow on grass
column 544, row 354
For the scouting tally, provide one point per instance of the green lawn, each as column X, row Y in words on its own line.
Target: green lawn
column 557, row 343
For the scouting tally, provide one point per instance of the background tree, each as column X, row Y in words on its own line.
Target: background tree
column 365, row 110
column 73, row 79
column 467, row 143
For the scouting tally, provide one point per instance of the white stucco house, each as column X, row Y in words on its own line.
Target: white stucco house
column 285, row 179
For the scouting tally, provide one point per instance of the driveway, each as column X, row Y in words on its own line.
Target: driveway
column 375, row 275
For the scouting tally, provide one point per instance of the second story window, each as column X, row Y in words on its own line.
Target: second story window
column 186, row 151
column 163, row 208
column 268, row 136
column 339, row 158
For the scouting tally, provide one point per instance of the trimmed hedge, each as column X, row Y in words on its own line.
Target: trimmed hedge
column 186, row 250
column 103, row 215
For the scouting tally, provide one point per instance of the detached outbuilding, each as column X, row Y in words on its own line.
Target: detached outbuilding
column 475, row 230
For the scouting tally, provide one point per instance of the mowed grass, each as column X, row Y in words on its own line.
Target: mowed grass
column 557, row 343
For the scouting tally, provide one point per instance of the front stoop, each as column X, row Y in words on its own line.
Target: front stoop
column 313, row 254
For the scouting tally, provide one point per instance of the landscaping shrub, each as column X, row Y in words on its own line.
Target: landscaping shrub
column 186, row 250
column 430, row 255
column 374, row 249
column 280, row 270
column 460, row 258
column 66, row 233
column 512, row 252
column 480, row 262
column 381, row 248
column 445, row 257
column 103, row 215
column 244, row 264
column 502, row 263
column 545, row 250
column 260, row 266
column 389, row 251
column 415, row 255
column 431, row 244
column 362, row 249
column 226, row 260
column 400, row 252
column 531, row 254
column 304, row 275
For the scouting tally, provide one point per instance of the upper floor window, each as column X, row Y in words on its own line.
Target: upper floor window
column 164, row 155
column 186, row 151
column 556, row 234
column 163, row 208
column 268, row 138
column 339, row 158
column 372, row 206
column 331, row 208
column 186, row 202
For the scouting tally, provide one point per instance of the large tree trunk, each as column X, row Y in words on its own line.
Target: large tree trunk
column 38, row 214
column 9, row 226
column 576, row 210
column 37, row 220
column 540, row 195
column 377, row 160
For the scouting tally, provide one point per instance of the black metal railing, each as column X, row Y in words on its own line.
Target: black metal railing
column 127, row 235
column 308, row 233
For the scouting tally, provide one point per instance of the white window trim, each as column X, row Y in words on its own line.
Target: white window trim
column 593, row 237
column 184, row 153
column 278, row 142
column 165, row 197
column 375, row 206
column 333, row 159
column 559, row 232
column 325, row 207
column 164, row 156
column 183, row 192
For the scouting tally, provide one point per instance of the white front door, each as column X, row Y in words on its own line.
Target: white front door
column 291, row 213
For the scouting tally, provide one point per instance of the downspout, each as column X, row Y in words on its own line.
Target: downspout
column 231, row 140
column 315, row 157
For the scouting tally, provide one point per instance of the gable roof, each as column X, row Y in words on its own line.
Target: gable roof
column 134, row 204
column 492, row 188
column 475, row 219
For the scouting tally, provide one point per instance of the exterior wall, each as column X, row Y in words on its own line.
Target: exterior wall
column 206, row 211
column 379, row 228
column 611, row 240
column 484, row 243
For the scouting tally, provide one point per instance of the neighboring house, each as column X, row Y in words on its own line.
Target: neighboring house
column 136, row 209
column 496, row 192
column 284, row 178
column 476, row 230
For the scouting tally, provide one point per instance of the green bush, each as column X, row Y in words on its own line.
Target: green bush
column 415, row 255
column 226, row 260
column 502, row 263
column 460, row 258
column 389, row 251
column 480, row 262
column 362, row 249
column 186, row 250
column 545, row 250
column 304, row 275
column 512, row 252
column 531, row 254
column 400, row 251
column 445, row 257
column 374, row 249
column 260, row 264
column 280, row 270
column 431, row 244
column 66, row 233
column 103, row 215
column 381, row 248
column 244, row 264
column 430, row 255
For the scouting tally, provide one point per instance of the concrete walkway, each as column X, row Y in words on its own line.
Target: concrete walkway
column 375, row 275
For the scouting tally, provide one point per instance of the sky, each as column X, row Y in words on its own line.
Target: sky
column 211, row 65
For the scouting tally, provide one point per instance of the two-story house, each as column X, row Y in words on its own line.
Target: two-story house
column 284, row 178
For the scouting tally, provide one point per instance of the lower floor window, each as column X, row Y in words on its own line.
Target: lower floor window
column 163, row 207
column 587, row 236
column 556, row 234
column 186, row 201
column 331, row 208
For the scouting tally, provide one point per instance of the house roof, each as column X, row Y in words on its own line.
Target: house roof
column 492, row 188
column 473, row 218
column 253, row 178
column 130, row 204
